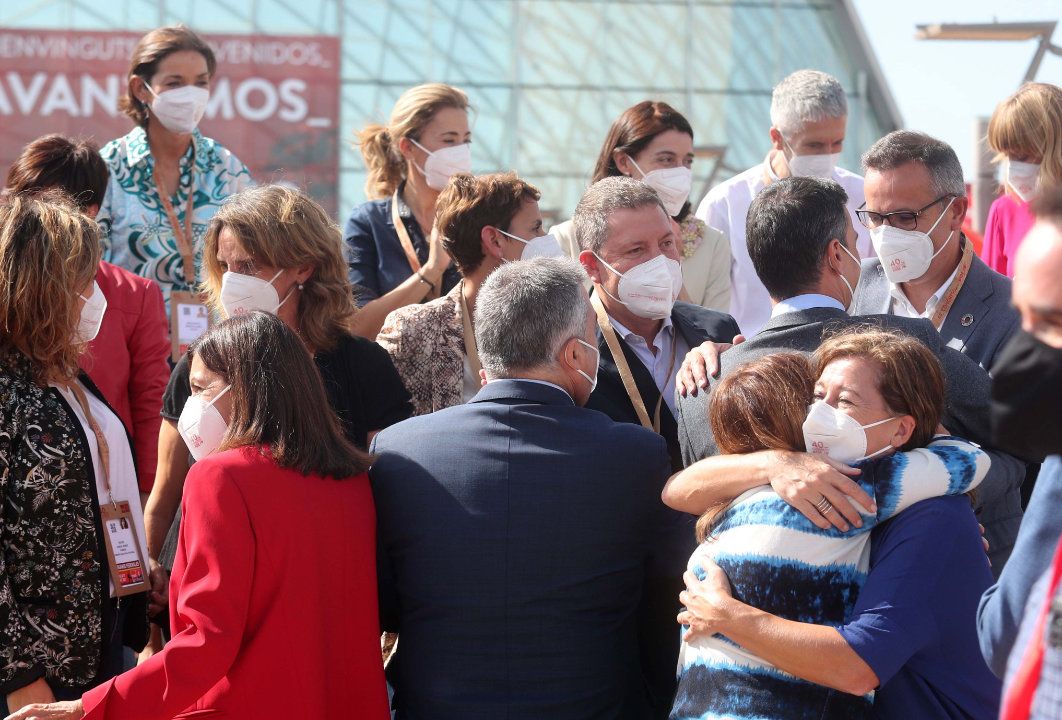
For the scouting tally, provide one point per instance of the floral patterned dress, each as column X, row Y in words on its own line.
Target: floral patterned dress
column 137, row 234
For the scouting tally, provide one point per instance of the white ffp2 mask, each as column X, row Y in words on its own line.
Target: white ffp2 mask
column 649, row 290
column 1023, row 178
column 243, row 293
column 201, row 425
column 830, row 432
column 92, row 312
column 820, row 166
column 541, row 246
column 444, row 163
column 671, row 184
column 180, row 110
column 906, row 254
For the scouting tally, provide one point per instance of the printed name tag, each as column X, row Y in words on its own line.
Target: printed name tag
column 189, row 318
column 127, row 568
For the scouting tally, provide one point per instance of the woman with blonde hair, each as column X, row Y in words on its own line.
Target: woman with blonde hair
column 66, row 467
column 275, row 249
column 395, row 257
column 1026, row 134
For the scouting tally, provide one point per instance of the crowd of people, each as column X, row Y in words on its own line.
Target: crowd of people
column 794, row 453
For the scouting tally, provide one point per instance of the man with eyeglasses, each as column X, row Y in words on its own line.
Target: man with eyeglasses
column 927, row 268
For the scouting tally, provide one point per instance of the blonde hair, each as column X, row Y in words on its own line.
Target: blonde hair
column 285, row 228
column 49, row 252
column 379, row 144
column 1029, row 122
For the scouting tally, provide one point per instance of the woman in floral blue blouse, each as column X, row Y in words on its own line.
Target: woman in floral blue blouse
column 167, row 180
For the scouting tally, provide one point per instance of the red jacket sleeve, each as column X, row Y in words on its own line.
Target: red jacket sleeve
column 994, row 252
column 211, row 599
column 149, row 348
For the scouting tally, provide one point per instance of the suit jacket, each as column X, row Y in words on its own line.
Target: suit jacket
column 978, row 324
column 515, row 533
column 274, row 606
column 427, row 345
column 128, row 360
column 696, row 324
column 967, row 394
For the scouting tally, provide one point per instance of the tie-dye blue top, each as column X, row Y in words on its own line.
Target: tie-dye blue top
column 779, row 562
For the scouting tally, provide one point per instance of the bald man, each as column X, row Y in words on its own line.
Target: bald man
column 1027, row 419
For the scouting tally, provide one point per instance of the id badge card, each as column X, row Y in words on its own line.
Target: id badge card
column 127, row 568
column 189, row 318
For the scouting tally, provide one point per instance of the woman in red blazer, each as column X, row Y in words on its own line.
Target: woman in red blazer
column 274, row 606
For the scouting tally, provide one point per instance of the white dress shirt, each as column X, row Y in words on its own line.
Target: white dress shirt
column 657, row 362
column 122, row 472
column 807, row 301
column 902, row 307
column 725, row 208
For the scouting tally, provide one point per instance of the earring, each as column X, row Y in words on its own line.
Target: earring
column 300, row 286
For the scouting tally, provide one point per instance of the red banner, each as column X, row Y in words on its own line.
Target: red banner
column 274, row 100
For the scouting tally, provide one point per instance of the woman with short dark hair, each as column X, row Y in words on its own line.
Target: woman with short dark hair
column 275, row 576
column 876, row 403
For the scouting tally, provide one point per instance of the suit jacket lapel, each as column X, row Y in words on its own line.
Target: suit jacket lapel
column 642, row 379
column 970, row 306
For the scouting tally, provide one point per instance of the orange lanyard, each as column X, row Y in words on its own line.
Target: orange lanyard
column 948, row 299
column 183, row 236
column 101, row 439
column 403, row 235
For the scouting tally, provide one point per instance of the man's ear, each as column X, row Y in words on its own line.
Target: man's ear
column 958, row 211
column 776, row 139
column 591, row 265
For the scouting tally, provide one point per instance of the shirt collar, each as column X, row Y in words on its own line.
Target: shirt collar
column 806, row 301
column 665, row 331
column 139, row 151
column 404, row 210
column 898, row 295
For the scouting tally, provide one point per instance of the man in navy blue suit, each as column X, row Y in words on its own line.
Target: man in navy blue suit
column 516, row 532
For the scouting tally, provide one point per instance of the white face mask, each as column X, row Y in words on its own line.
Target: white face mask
column 820, row 166
column 201, row 425
column 444, row 163
column 851, row 290
column 88, row 326
column 648, row 290
column 597, row 362
column 906, row 254
column 1023, row 178
column 180, row 110
column 541, row 246
column 243, row 293
column 830, row 432
column 671, row 184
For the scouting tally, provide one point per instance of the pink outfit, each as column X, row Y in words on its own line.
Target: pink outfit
column 1009, row 220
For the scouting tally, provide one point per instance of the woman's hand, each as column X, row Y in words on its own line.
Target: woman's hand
column 70, row 710
column 37, row 691
column 804, row 480
column 438, row 258
column 706, row 603
column 159, row 596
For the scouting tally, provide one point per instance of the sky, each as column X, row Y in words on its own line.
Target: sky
column 942, row 86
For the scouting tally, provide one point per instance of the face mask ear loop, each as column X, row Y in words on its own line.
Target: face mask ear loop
column 637, row 167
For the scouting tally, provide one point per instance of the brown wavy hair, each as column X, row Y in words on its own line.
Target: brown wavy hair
column 385, row 166
column 469, row 203
column 285, row 228
column 56, row 161
column 49, row 252
column 149, row 52
column 633, row 130
column 278, row 398
column 760, row 405
column 909, row 376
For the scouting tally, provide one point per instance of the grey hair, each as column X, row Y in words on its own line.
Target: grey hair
column 903, row 146
column 603, row 198
column 806, row 96
column 526, row 310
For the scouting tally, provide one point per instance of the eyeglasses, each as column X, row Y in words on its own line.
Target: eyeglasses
column 903, row 219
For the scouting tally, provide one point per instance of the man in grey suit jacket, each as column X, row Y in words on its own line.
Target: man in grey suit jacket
column 915, row 206
column 516, row 531
column 795, row 232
